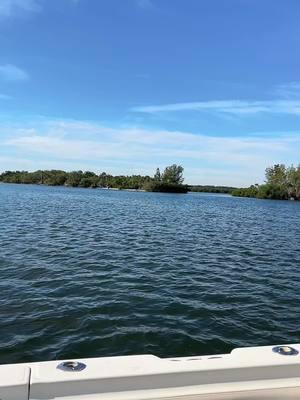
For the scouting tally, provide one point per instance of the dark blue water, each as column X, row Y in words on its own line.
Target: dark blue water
column 92, row 272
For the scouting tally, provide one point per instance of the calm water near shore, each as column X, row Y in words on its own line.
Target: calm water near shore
column 86, row 273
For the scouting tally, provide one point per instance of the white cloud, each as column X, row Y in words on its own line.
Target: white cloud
column 9, row 8
column 234, row 107
column 12, row 8
column 9, row 72
column 144, row 3
column 4, row 97
column 287, row 101
column 207, row 160
column 289, row 90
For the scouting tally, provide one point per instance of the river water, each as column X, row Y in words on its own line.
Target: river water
column 88, row 273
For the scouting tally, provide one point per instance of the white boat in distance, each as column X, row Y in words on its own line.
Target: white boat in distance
column 269, row 372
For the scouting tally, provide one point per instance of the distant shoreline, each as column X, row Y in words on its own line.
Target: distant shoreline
column 113, row 189
column 203, row 189
column 170, row 181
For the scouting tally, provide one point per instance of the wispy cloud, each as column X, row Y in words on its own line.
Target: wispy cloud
column 9, row 8
column 84, row 145
column 288, row 90
column 233, row 107
column 9, row 72
column 286, row 101
column 144, row 3
column 4, row 97
column 13, row 8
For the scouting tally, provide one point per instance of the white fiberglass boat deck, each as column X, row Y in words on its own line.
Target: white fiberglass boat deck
column 246, row 373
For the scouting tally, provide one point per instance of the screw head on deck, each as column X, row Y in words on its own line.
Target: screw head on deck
column 285, row 350
column 71, row 366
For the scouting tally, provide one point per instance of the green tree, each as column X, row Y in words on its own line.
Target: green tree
column 157, row 175
column 170, row 181
column 74, row 178
column 293, row 179
column 272, row 192
column 277, row 175
column 282, row 183
column 173, row 174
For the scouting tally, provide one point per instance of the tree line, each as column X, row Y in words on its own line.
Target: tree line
column 212, row 189
column 281, row 183
column 170, row 180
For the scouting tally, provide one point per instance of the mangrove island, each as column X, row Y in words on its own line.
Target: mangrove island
column 170, row 180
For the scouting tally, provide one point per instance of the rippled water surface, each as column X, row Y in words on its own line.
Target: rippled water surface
column 87, row 273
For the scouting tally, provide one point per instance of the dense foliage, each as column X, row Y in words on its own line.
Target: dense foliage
column 75, row 178
column 282, row 183
column 169, row 181
column 211, row 189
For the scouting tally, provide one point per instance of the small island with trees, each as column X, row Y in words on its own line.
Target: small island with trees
column 170, row 181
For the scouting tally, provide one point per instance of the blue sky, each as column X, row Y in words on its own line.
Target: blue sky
column 125, row 86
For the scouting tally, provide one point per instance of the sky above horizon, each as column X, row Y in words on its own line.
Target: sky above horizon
column 125, row 86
